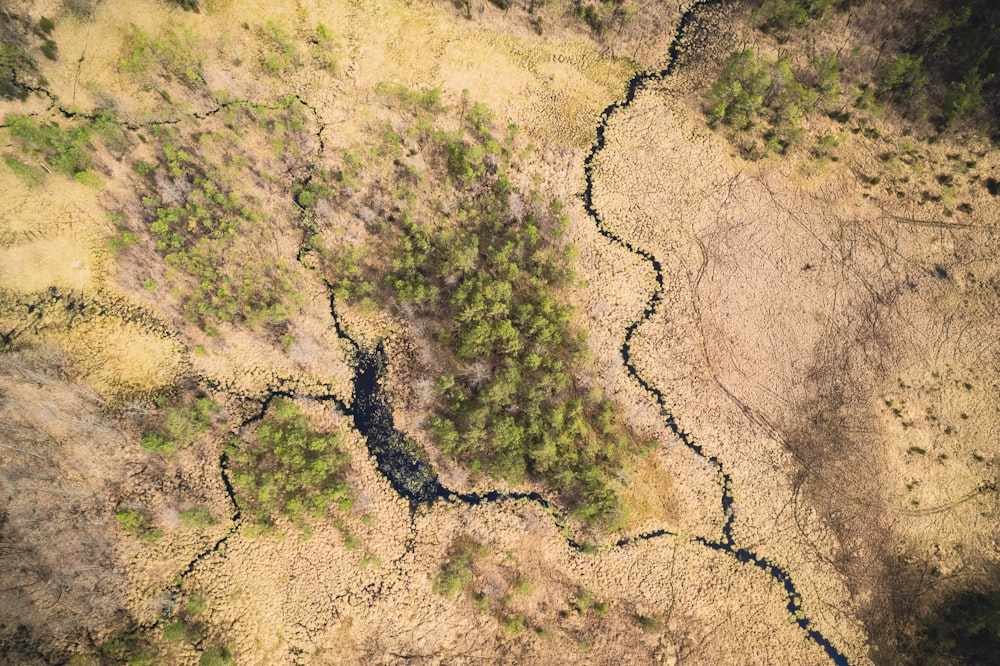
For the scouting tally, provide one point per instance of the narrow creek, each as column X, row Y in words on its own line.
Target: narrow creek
column 726, row 543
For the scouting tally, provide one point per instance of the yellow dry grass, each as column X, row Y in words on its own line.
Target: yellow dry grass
column 59, row 261
column 117, row 358
column 649, row 495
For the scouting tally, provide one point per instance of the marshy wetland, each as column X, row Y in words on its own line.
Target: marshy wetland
column 498, row 333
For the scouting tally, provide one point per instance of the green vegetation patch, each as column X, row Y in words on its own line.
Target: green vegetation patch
column 761, row 102
column 207, row 228
column 132, row 647
column 66, row 150
column 198, row 517
column 138, row 524
column 181, row 425
column 176, row 55
column 283, row 467
column 455, row 575
column 19, row 36
column 17, row 67
column 485, row 280
column 216, row 655
column 180, row 631
column 950, row 70
column 33, row 176
column 784, row 15
column 282, row 54
column 964, row 629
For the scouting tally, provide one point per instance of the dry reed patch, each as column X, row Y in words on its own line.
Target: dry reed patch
column 59, row 261
column 70, row 571
column 649, row 494
column 122, row 358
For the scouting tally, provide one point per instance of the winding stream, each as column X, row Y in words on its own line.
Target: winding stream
column 726, row 543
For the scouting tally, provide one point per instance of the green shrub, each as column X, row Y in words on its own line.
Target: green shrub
column 513, row 626
column 198, row 517
column 282, row 56
column 188, row 5
column 962, row 629
column 50, row 50
column 16, row 68
column 208, row 234
column 182, row 425
column 787, row 15
column 29, row 174
column 761, row 101
column 131, row 647
column 216, row 655
column 592, row 17
column 195, row 605
column 904, row 79
column 738, row 98
column 414, row 101
column 156, row 443
column 134, row 522
column 455, row 575
column 65, row 150
column 648, row 624
column 324, row 49
column 485, row 282
column 180, row 631
column 174, row 55
column 585, row 602
column 286, row 468
column 137, row 524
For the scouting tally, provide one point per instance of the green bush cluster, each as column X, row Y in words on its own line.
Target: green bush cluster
column 285, row 468
column 791, row 14
column 904, row 82
column 66, row 150
column 282, row 56
column 132, row 647
column 601, row 16
column 182, row 424
column 181, row 631
column 950, row 70
column 585, row 602
column 138, row 524
column 211, row 232
column 43, row 30
column 188, row 5
column 648, row 624
column 174, row 56
column 323, row 49
column 762, row 102
column 963, row 629
column 198, row 517
column 33, row 176
column 455, row 575
column 947, row 71
column 486, row 281
column 18, row 68
column 216, row 655
column 413, row 101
